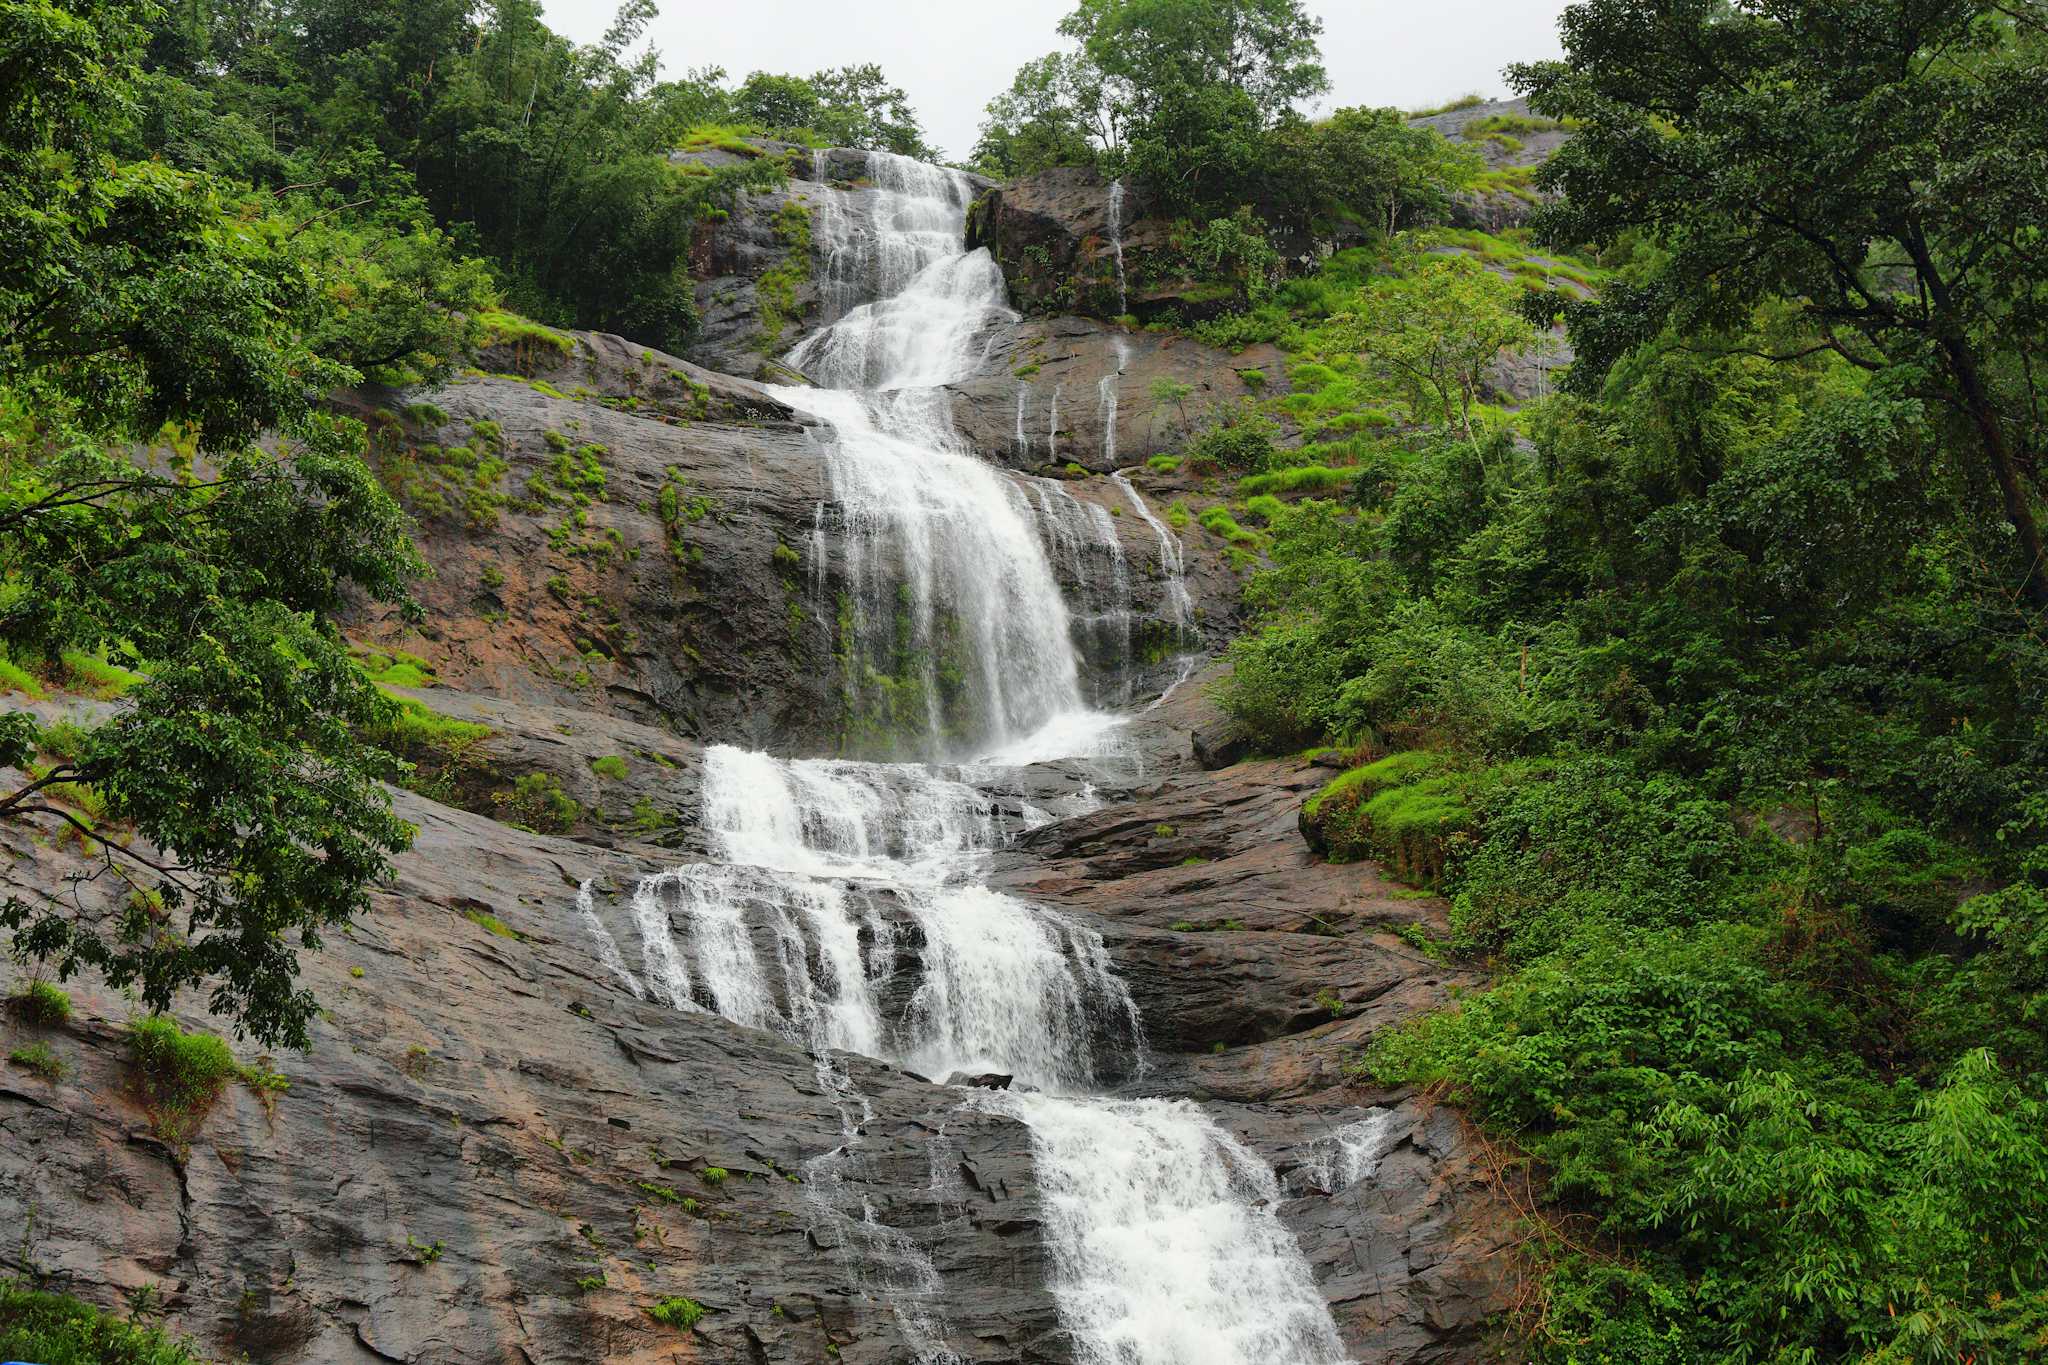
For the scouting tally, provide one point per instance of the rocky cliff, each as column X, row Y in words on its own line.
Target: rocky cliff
column 500, row 1146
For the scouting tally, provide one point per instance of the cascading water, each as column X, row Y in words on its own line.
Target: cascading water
column 1116, row 240
column 842, row 909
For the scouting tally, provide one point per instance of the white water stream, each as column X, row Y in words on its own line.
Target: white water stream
column 842, row 906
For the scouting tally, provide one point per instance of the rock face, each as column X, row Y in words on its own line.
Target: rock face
column 1057, row 236
column 624, row 533
column 494, row 1150
column 501, row 1147
column 1495, row 208
column 1043, row 403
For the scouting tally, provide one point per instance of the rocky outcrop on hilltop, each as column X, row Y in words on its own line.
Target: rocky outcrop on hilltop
column 1513, row 141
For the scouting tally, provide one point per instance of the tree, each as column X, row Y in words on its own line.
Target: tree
column 1434, row 330
column 859, row 108
column 1197, row 84
column 770, row 101
column 1878, row 163
column 1055, row 113
column 141, row 305
column 1368, row 165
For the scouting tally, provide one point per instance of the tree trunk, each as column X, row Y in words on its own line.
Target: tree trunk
column 1991, row 436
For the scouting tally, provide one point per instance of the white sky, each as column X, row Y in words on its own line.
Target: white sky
column 951, row 56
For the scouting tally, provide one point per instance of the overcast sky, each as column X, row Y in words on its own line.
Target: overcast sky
column 951, row 56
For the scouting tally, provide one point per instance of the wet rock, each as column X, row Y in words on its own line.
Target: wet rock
column 989, row 1080
column 651, row 551
column 1052, row 234
column 1051, row 387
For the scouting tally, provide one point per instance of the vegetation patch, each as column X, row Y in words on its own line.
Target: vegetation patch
column 51, row 1329
column 179, row 1076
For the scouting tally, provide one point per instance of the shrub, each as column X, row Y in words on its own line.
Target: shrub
column 610, row 766
column 677, row 1311
column 1243, row 440
column 179, row 1074
column 537, row 802
column 53, row 1330
column 41, row 1003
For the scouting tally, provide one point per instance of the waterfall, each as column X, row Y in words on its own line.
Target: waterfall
column 843, row 905
column 1172, row 560
column 1339, row 1160
column 1166, row 1249
column 1116, row 240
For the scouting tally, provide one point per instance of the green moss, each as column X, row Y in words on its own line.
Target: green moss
column 611, row 766
column 1163, row 464
column 1177, row 515
column 491, row 924
column 53, row 1330
column 715, row 1175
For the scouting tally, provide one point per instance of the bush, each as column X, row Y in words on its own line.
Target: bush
column 53, row 1330
column 677, row 1312
column 41, row 1003
column 1243, row 440
column 610, row 766
column 537, row 802
column 179, row 1074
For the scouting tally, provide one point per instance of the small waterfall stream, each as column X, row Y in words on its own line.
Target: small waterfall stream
column 842, row 905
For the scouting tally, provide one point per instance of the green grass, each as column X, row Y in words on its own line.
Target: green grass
column 1163, row 464
column 415, row 730
column 395, row 668
column 611, row 766
column 50, row 1329
column 41, row 1003
column 722, row 137
column 1217, row 520
column 95, row 675
column 38, row 1058
column 509, row 329
column 14, row 678
column 1312, row 478
column 1401, row 810
column 179, row 1075
column 1471, row 101
column 1177, row 515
